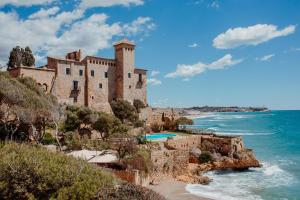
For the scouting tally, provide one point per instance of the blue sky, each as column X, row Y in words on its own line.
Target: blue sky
column 199, row 52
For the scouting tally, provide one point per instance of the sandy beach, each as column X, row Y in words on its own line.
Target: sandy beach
column 174, row 190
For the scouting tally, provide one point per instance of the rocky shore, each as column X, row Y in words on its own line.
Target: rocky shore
column 187, row 158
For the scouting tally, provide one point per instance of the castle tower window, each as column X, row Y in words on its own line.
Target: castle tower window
column 105, row 74
column 129, row 75
column 94, row 61
column 140, row 77
column 68, row 71
column 100, row 85
column 90, row 61
column 92, row 73
column 80, row 72
column 75, row 85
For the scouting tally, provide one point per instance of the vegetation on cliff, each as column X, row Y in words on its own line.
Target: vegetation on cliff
column 25, row 109
column 31, row 172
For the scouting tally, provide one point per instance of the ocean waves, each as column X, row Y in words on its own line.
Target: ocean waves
column 249, row 185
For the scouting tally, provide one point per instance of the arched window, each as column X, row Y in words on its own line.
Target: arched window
column 45, row 87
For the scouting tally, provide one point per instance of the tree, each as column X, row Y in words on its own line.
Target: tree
column 28, row 58
column 138, row 104
column 18, row 56
column 124, row 111
column 80, row 119
column 107, row 125
column 183, row 121
column 25, row 109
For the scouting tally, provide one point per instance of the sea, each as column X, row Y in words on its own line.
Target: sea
column 275, row 138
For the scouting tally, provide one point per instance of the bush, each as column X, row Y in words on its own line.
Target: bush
column 140, row 160
column 73, row 141
column 138, row 123
column 29, row 172
column 48, row 139
column 124, row 111
column 155, row 127
column 205, row 157
column 138, row 104
column 183, row 121
column 128, row 191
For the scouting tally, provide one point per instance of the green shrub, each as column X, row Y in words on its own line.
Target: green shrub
column 205, row 157
column 138, row 104
column 140, row 160
column 128, row 191
column 124, row 111
column 29, row 172
column 73, row 141
column 48, row 139
column 138, row 123
column 155, row 127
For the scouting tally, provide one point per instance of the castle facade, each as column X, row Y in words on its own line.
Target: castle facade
column 92, row 81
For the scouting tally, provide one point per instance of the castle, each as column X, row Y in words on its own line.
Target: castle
column 92, row 81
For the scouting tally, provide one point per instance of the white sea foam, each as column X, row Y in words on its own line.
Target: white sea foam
column 244, row 133
column 242, row 185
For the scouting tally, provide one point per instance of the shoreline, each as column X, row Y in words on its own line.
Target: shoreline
column 172, row 189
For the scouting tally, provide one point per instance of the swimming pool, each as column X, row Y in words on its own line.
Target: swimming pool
column 156, row 136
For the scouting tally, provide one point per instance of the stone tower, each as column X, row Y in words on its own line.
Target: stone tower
column 125, row 82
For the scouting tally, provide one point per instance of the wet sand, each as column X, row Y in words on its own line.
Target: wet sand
column 174, row 190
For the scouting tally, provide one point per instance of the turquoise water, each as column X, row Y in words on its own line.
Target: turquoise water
column 159, row 136
column 275, row 138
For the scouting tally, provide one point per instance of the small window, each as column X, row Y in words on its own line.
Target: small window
column 92, row 73
column 129, row 86
column 80, row 72
column 140, row 78
column 68, row 71
column 100, row 85
column 90, row 61
column 75, row 85
column 106, row 74
column 129, row 75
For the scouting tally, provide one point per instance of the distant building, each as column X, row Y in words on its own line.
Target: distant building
column 92, row 81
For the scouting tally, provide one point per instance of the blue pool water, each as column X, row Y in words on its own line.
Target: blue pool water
column 275, row 138
column 159, row 136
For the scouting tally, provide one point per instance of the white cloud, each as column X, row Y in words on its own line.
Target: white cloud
column 266, row 57
column 141, row 24
column 187, row 71
column 251, row 35
column 85, row 4
column 194, row 45
column 26, row 3
column 154, row 73
column 42, row 13
column 56, row 34
column 214, row 4
column 153, row 81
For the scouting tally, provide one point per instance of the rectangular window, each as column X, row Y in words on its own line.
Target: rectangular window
column 92, row 73
column 106, row 74
column 80, row 72
column 129, row 75
column 75, row 85
column 100, row 85
column 68, row 71
column 140, row 78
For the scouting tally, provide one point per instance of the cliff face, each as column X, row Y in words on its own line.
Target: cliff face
column 187, row 158
column 242, row 160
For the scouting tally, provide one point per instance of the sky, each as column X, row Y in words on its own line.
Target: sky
column 197, row 52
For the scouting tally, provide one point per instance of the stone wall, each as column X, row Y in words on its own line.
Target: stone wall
column 184, row 143
column 44, row 77
column 64, row 83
